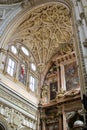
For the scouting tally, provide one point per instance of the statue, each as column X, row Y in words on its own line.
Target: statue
column 44, row 94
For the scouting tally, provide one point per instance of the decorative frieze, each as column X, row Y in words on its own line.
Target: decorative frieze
column 15, row 100
column 16, row 119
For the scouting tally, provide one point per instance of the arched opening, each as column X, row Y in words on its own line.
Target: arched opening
column 47, row 31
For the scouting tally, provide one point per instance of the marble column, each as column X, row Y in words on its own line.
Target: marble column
column 83, row 53
column 84, row 49
column 63, row 83
column 43, row 120
column 60, row 123
column 81, row 14
column 64, row 119
column 80, row 7
column 77, row 12
column 81, row 32
column 80, row 23
column 85, row 28
column 58, row 78
column 43, row 125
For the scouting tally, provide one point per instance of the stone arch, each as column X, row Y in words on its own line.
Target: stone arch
column 23, row 14
column 4, row 124
column 12, row 26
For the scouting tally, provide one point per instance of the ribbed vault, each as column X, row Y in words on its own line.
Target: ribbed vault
column 46, row 31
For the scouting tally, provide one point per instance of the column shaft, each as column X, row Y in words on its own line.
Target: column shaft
column 63, row 83
column 60, row 123
column 64, row 119
column 77, row 13
column 58, row 79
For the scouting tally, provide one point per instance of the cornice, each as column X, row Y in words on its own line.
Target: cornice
column 16, row 101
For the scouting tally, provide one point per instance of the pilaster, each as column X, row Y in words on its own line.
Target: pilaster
column 63, row 84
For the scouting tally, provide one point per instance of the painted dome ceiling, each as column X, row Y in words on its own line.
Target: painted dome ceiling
column 47, row 30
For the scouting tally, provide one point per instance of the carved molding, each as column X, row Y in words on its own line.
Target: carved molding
column 4, row 123
column 12, row 118
column 17, row 101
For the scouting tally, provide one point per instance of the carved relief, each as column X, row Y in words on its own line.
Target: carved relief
column 46, row 30
column 17, row 102
column 44, row 94
column 4, row 123
column 12, row 118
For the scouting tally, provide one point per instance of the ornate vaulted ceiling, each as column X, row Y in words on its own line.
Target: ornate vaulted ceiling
column 46, row 31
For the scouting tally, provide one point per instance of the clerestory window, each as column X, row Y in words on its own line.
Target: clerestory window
column 32, row 83
column 21, row 65
column 11, row 67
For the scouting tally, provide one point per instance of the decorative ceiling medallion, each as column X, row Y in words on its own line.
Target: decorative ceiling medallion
column 46, row 30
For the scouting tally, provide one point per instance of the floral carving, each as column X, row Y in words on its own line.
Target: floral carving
column 45, row 29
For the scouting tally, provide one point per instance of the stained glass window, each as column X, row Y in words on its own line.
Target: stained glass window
column 23, row 73
column 11, row 67
column 24, row 62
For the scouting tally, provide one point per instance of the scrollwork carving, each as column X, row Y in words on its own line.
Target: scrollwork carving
column 45, row 29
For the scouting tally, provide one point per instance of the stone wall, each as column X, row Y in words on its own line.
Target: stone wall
column 15, row 111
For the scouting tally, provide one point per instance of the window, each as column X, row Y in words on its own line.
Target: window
column 11, row 67
column 20, row 64
column 23, row 73
column 25, row 51
column 32, row 83
column 13, row 49
column 33, row 67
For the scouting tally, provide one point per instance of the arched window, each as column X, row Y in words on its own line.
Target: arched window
column 33, row 67
column 23, row 72
column 11, row 67
column 21, row 65
column 25, row 51
column 13, row 49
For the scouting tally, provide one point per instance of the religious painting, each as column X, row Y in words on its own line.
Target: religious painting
column 71, row 76
column 53, row 90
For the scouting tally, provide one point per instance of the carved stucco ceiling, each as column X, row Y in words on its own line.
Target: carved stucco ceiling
column 46, row 31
